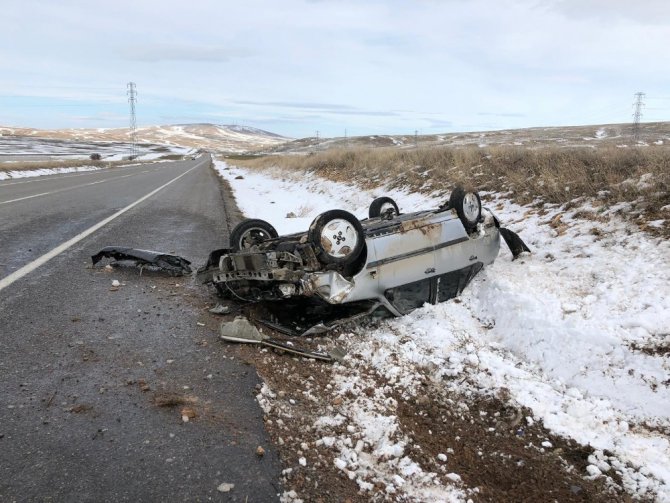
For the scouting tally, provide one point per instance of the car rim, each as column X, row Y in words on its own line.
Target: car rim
column 253, row 236
column 339, row 238
column 470, row 207
column 385, row 207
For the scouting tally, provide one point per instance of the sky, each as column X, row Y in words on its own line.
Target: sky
column 295, row 67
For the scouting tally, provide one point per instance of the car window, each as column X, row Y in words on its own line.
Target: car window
column 452, row 284
column 405, row 298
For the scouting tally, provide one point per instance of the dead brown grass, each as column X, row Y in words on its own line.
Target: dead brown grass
column 551, row 175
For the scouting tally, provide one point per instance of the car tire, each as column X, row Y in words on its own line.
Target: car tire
column 382, row 205
column 250, row 232
column 337, row 237
column 468, row 206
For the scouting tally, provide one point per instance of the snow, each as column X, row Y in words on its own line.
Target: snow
column 6, row 175
column 273, row 194
column 557, row 330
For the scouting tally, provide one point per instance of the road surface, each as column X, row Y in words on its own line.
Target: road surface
column 94, row 379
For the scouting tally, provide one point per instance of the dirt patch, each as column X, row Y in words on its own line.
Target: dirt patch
column 504, row 459
column 317, row 480
column 498, row 454
column 166, row 399
column 81, row 408
column 653, row 348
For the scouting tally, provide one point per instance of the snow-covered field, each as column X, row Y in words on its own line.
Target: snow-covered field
column 578, row 332
column 6, row 175
column 31, row 148
column 167, row 139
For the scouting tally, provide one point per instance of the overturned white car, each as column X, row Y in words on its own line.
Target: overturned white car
column 393, row 261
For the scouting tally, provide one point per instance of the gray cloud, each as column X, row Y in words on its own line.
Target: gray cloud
column 497, row 114
column 297, row 104
column 647, row 12
column 154, row 53
column 438, row 123
column 329, row 108
column 368, row 113
column 99, row 118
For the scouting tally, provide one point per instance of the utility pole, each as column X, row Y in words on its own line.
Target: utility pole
column 132, row 98
column 317, row 137
column 416, row 138
column 637, row 114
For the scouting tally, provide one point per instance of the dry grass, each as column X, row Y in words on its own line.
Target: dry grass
column 605, row 176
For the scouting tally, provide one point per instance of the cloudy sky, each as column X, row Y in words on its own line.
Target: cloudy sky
column 295, row 67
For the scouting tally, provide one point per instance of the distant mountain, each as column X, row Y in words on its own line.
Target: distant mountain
column 219, row 138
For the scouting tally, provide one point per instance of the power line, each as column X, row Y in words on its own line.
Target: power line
column 132, row 98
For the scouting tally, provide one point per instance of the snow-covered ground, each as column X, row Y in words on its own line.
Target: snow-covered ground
column 6, row 175
column 176, row 139
column 573, row 332
column 30, row 148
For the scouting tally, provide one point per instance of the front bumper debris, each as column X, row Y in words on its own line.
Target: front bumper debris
column 173, row 264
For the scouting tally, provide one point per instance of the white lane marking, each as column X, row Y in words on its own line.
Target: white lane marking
column 27, row 197
column 56, row 191
column 28, row 268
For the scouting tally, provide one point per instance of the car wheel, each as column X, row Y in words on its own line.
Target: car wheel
column 337, row 236
column 468, row 206
column 251, row 232
column 382, row 206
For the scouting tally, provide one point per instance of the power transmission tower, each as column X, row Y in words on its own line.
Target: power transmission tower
column 637, row 114
column 132, row 98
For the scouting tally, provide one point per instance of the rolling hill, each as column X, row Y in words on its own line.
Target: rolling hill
column 213, row 137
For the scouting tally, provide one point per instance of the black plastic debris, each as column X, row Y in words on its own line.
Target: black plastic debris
column 514, row 242
column 173, row 264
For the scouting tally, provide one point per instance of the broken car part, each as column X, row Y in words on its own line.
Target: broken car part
column 175, row 265
column 242, row 330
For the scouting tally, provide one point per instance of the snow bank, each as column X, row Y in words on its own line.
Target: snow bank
column 6, row 175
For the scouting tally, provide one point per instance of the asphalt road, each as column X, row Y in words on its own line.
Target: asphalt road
column 93, row 379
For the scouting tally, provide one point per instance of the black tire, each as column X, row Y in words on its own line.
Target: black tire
column 251, row 232
column 345, row 243
column 382, row 205
column 468, row 206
